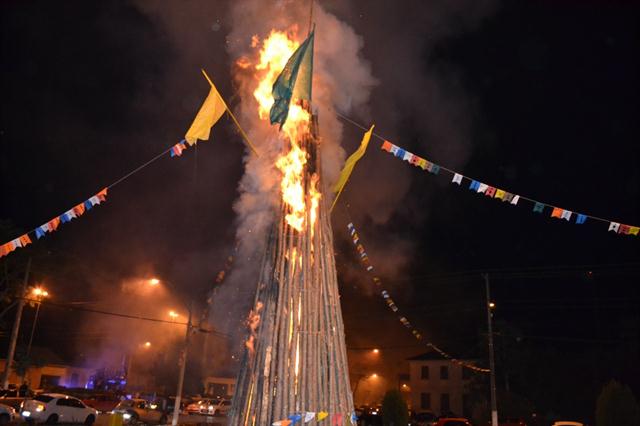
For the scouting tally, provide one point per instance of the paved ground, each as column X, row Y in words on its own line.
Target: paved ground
column 103, row 420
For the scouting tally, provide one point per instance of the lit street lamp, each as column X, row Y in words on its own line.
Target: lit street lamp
column 183, row 358
column 37, row 294
column 360, row 378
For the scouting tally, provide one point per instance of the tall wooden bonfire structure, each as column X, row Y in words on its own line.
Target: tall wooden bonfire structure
column 296, row 362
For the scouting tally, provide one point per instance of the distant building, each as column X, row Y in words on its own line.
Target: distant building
column 438, row 385
column 220, row 387
column 50, row 371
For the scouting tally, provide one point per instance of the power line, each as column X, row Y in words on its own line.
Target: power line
column 127, row 316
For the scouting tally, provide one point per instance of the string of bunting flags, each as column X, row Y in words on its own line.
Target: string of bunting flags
column 307, row 416
column 52, row 225
column 503, row 195
column 366, row 263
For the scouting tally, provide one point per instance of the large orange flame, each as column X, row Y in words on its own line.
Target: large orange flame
column 276, row 49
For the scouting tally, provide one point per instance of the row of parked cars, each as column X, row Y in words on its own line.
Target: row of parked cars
column 53, row 408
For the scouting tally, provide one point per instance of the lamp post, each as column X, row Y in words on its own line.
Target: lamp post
column 492, row 364
column 183, row 355
column 16, row 328
column 38, row 293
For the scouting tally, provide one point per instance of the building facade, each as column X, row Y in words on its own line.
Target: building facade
column 439, row 386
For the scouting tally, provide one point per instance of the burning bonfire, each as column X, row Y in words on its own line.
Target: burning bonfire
column 295, row 363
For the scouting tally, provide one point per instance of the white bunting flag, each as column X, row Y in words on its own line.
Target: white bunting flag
column 614, row 226
column 408, row 156
column 515, row 200
column 482, row 187
column 566, row 215
column 309, row 415
column 457, row 178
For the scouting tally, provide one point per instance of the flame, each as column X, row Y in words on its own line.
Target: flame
column 276, row 50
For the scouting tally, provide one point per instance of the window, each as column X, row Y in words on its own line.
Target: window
column 425, row 401
column 63, row 402
column 424, row 372
column 43, row 398
column 76, row 403
column 444, row 372
column 444, row 404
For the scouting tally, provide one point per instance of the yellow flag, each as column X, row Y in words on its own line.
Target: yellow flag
column 350, row 164
column 210, row 112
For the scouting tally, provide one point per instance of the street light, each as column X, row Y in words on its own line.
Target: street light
column 375, row 351
column 185, row 350
column 37, row 294
column 361, row 378
column 174, row 315
column 147, row 344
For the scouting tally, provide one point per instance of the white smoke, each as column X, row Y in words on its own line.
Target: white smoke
column 342, row 80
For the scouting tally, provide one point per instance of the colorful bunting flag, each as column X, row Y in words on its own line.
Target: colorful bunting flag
column 457, row 178
column 408, row 157
column 337, row 419
column 566, row 215
column 556, row 212
column 490, row 192
column 295, row 418
column 500, row 194
column 177, row 149
column 515, row 200
column 309, row 415
column 387, row 146
column 614, row 226
column 322, row 415
column 580, row 219
column 474, row 185
column 482, row 187
column 538, row 207
column 634, row 230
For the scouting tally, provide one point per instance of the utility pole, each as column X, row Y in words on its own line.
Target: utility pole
column 492, row 363
column 183, row 365
column 16, row 328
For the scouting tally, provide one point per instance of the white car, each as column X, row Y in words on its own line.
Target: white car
column 7, row 414
column 52, row 408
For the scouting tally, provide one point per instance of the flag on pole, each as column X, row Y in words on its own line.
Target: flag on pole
column 210, row 112
column 286, row 87
column 350, row 164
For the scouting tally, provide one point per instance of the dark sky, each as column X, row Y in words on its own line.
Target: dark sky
column 540, row 98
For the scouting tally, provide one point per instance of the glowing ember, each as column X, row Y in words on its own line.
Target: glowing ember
column 276, row 50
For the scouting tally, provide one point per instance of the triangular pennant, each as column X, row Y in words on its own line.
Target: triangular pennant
column 308, row 416
column 322, row 415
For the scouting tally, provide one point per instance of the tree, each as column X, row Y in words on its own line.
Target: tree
column 617, row 406
column 394, row 409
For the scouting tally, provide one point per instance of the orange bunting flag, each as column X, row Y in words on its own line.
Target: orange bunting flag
column 386, row 146
column 556, row 212
column 79, row 209
column 24, row 240
column 53, row 224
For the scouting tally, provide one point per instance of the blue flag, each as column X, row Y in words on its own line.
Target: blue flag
column 285, row 86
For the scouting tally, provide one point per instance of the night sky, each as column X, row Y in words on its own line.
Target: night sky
column 538, row 98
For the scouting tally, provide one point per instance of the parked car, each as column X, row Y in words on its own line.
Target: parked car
column 52, row 408
column 139, row 410
column 202, row 406
column 7, row 414
column 209, row 407
column 452, row 421
column 567, row 423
